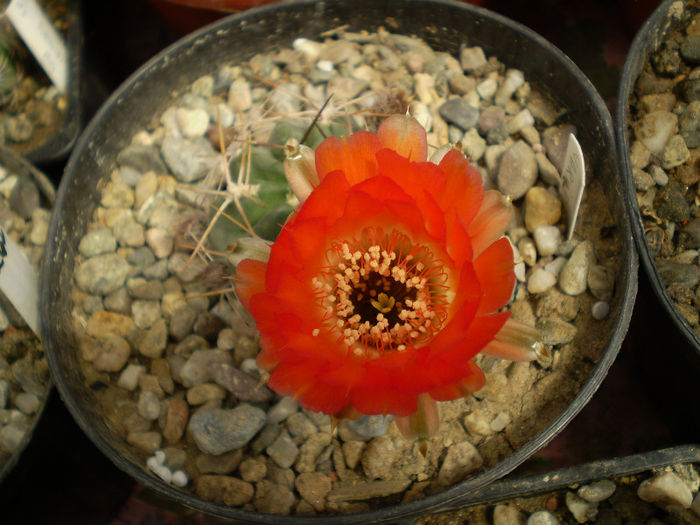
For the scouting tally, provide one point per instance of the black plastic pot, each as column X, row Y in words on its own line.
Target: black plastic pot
column 18, row 165
column 648, row 39
column 60, row 143
column 445, row 26
column 578, row 475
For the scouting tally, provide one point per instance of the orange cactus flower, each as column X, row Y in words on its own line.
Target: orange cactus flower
column 386, row 281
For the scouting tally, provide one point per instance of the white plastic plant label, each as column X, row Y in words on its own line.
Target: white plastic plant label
column 19, row 281
column 42, row 39
column 573, row 181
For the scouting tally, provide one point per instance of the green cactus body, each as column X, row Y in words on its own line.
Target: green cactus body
column 271, row 200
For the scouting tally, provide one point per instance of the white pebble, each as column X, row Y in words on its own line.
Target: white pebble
column 325, row 65
column 487, row 88
column 600, row 310
column 192, row 122
column 179, row 478
column 520, row 271
column 308, row 47
column 555, row 266
column 129, row 378
column 163, row 473
column 520, row 121
column 547, row 240
column 528, row 251
column 540, row 281
column 160, row 456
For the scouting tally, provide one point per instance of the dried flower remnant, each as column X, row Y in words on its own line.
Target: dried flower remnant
column 386, row 281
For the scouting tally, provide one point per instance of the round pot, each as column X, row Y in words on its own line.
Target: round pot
column 445, row 26
column 647, row 41
column 14, row 164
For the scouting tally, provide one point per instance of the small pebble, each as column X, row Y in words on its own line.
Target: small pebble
column 600, row 310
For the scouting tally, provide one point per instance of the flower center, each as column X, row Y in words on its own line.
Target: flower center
column 382, row 292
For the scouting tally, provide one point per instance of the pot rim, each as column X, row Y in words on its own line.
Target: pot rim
column 424, row 505
column 649, row 36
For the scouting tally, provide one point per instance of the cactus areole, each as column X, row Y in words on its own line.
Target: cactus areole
column 386, row 281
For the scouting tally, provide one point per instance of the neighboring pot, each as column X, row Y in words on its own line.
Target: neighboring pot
column 58, row 145
column 649, row 39
column 445, row 26
column 16, row 165
column 623, row 470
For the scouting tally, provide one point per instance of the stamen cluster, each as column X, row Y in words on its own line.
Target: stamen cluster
column 381, row 293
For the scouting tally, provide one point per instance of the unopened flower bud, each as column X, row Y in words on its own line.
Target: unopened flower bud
column 300, row 169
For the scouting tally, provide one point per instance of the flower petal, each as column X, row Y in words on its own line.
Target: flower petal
column 494, row 267
column 249, row 280
column 404, row 135
column 354, row 155
column 423, row 423
column 463, row 189
column 473, row 381
column 491, row 222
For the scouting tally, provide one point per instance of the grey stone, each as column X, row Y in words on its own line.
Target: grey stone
column 197, row 368
column 102, row 274
column 472, row 58
column 670, row 203
column 217, row 430
column 310, row 451
column 148, row 405
column 97, row 242
column 145, row 313
column 11, row 437
column 461, row 459
column 113, row 353
column 153, row 341
column 281, row 410
column 690, row 49
column 675, row 153
column 517, row 171
column 459, row 113
column 370, row 426
column 240, row 384
column 573, row 277
column 555, row 331
column 555, row 141
column 24, row 199
column 283, row 451
column 188, row 160
column 597, row 491
column 28, row 403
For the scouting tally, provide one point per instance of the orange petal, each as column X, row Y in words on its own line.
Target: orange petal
column 495, row 270
column 249, row 280
column 463, row 186
column 472, row 382
column 355, row 156
column 491, row 222
column 457, row 243
column 383, row 401
column 404, row 135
